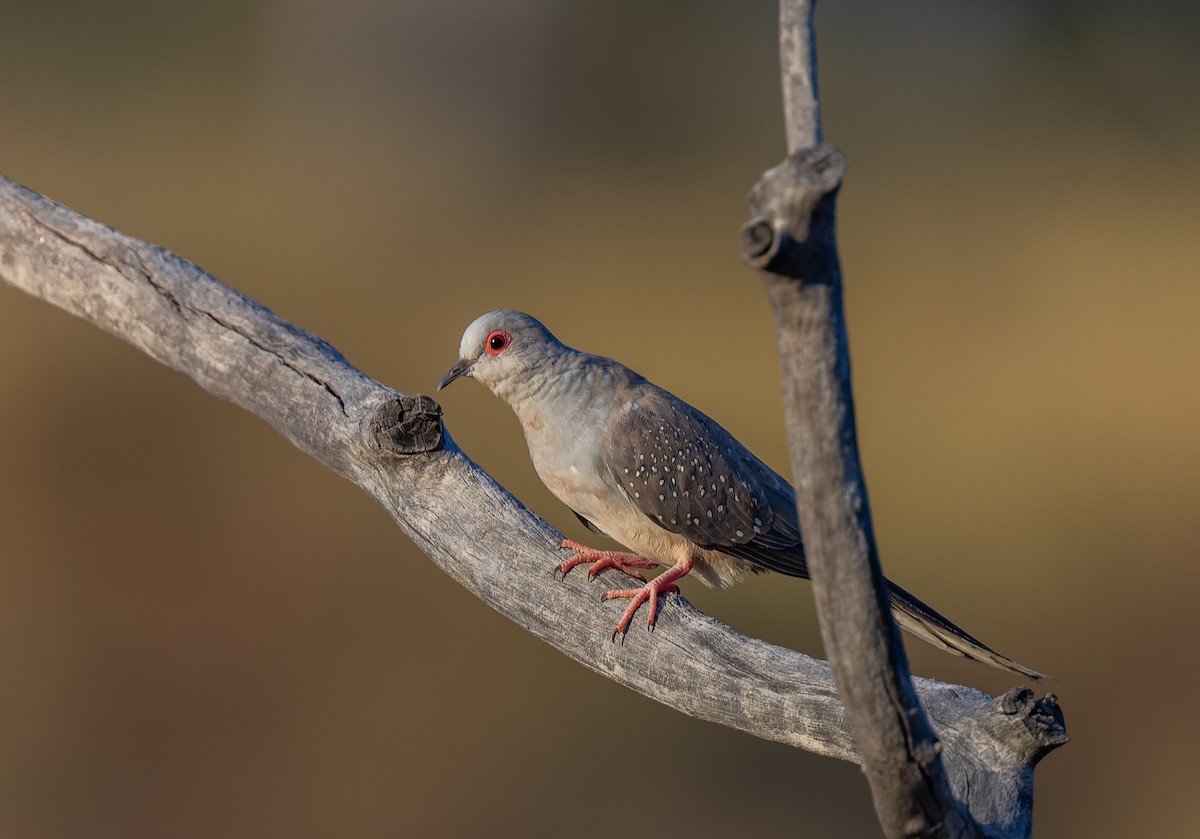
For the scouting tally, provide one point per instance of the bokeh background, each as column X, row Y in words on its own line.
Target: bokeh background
column 204, row 633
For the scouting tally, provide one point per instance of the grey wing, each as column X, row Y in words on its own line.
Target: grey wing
column 690, row 476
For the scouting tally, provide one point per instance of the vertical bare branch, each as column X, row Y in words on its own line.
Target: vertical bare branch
column 792, row 240
column 798, row 70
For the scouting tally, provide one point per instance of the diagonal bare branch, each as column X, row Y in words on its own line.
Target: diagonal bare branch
column 395, row 448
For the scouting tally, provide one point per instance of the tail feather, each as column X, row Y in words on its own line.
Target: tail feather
column 924, row 622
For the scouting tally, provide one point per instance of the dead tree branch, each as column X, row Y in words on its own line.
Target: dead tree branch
column 792, row 240
column 397, row 450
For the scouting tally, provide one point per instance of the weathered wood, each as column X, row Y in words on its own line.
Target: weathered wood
column 792, row 240
column 394, row 448
column 901, row 755
column 798, row 70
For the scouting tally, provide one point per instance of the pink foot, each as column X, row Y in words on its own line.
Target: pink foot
column 601, row 560
column 664, row 583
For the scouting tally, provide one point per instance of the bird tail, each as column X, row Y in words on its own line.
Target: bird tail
column 924, row 622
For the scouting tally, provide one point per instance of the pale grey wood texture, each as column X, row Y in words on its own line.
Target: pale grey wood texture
column 901, row 758
column 396, row 450
column 792, row 240
column 798, row 71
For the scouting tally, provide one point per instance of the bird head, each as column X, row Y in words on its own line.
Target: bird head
column 502, row 350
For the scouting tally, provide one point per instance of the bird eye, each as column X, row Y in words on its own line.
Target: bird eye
column 497, row 342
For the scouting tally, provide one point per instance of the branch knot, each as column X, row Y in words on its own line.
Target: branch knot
column 791, row 232
column 407, row 425
column 1041, row 718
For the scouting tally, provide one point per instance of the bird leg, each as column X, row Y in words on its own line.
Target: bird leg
column 664, row 583
column 601, row 560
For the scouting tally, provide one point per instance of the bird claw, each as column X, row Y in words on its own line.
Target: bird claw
column 601, row 560
column 649, row 591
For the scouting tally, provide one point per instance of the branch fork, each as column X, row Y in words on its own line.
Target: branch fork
column 966, row 759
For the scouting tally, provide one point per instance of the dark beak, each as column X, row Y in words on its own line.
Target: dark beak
column 460, row 367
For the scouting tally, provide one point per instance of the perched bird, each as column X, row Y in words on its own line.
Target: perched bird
column 644, row 468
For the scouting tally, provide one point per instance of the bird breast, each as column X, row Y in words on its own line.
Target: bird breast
column 565, row 418
column 563, row 455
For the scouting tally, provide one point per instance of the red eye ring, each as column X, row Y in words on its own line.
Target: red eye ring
column 497, row 342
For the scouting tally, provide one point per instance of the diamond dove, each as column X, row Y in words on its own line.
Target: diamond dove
column 648, row 470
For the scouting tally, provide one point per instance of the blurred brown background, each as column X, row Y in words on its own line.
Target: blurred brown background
column 203, row 633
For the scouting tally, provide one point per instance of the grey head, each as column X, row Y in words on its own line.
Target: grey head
column 505, row 351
